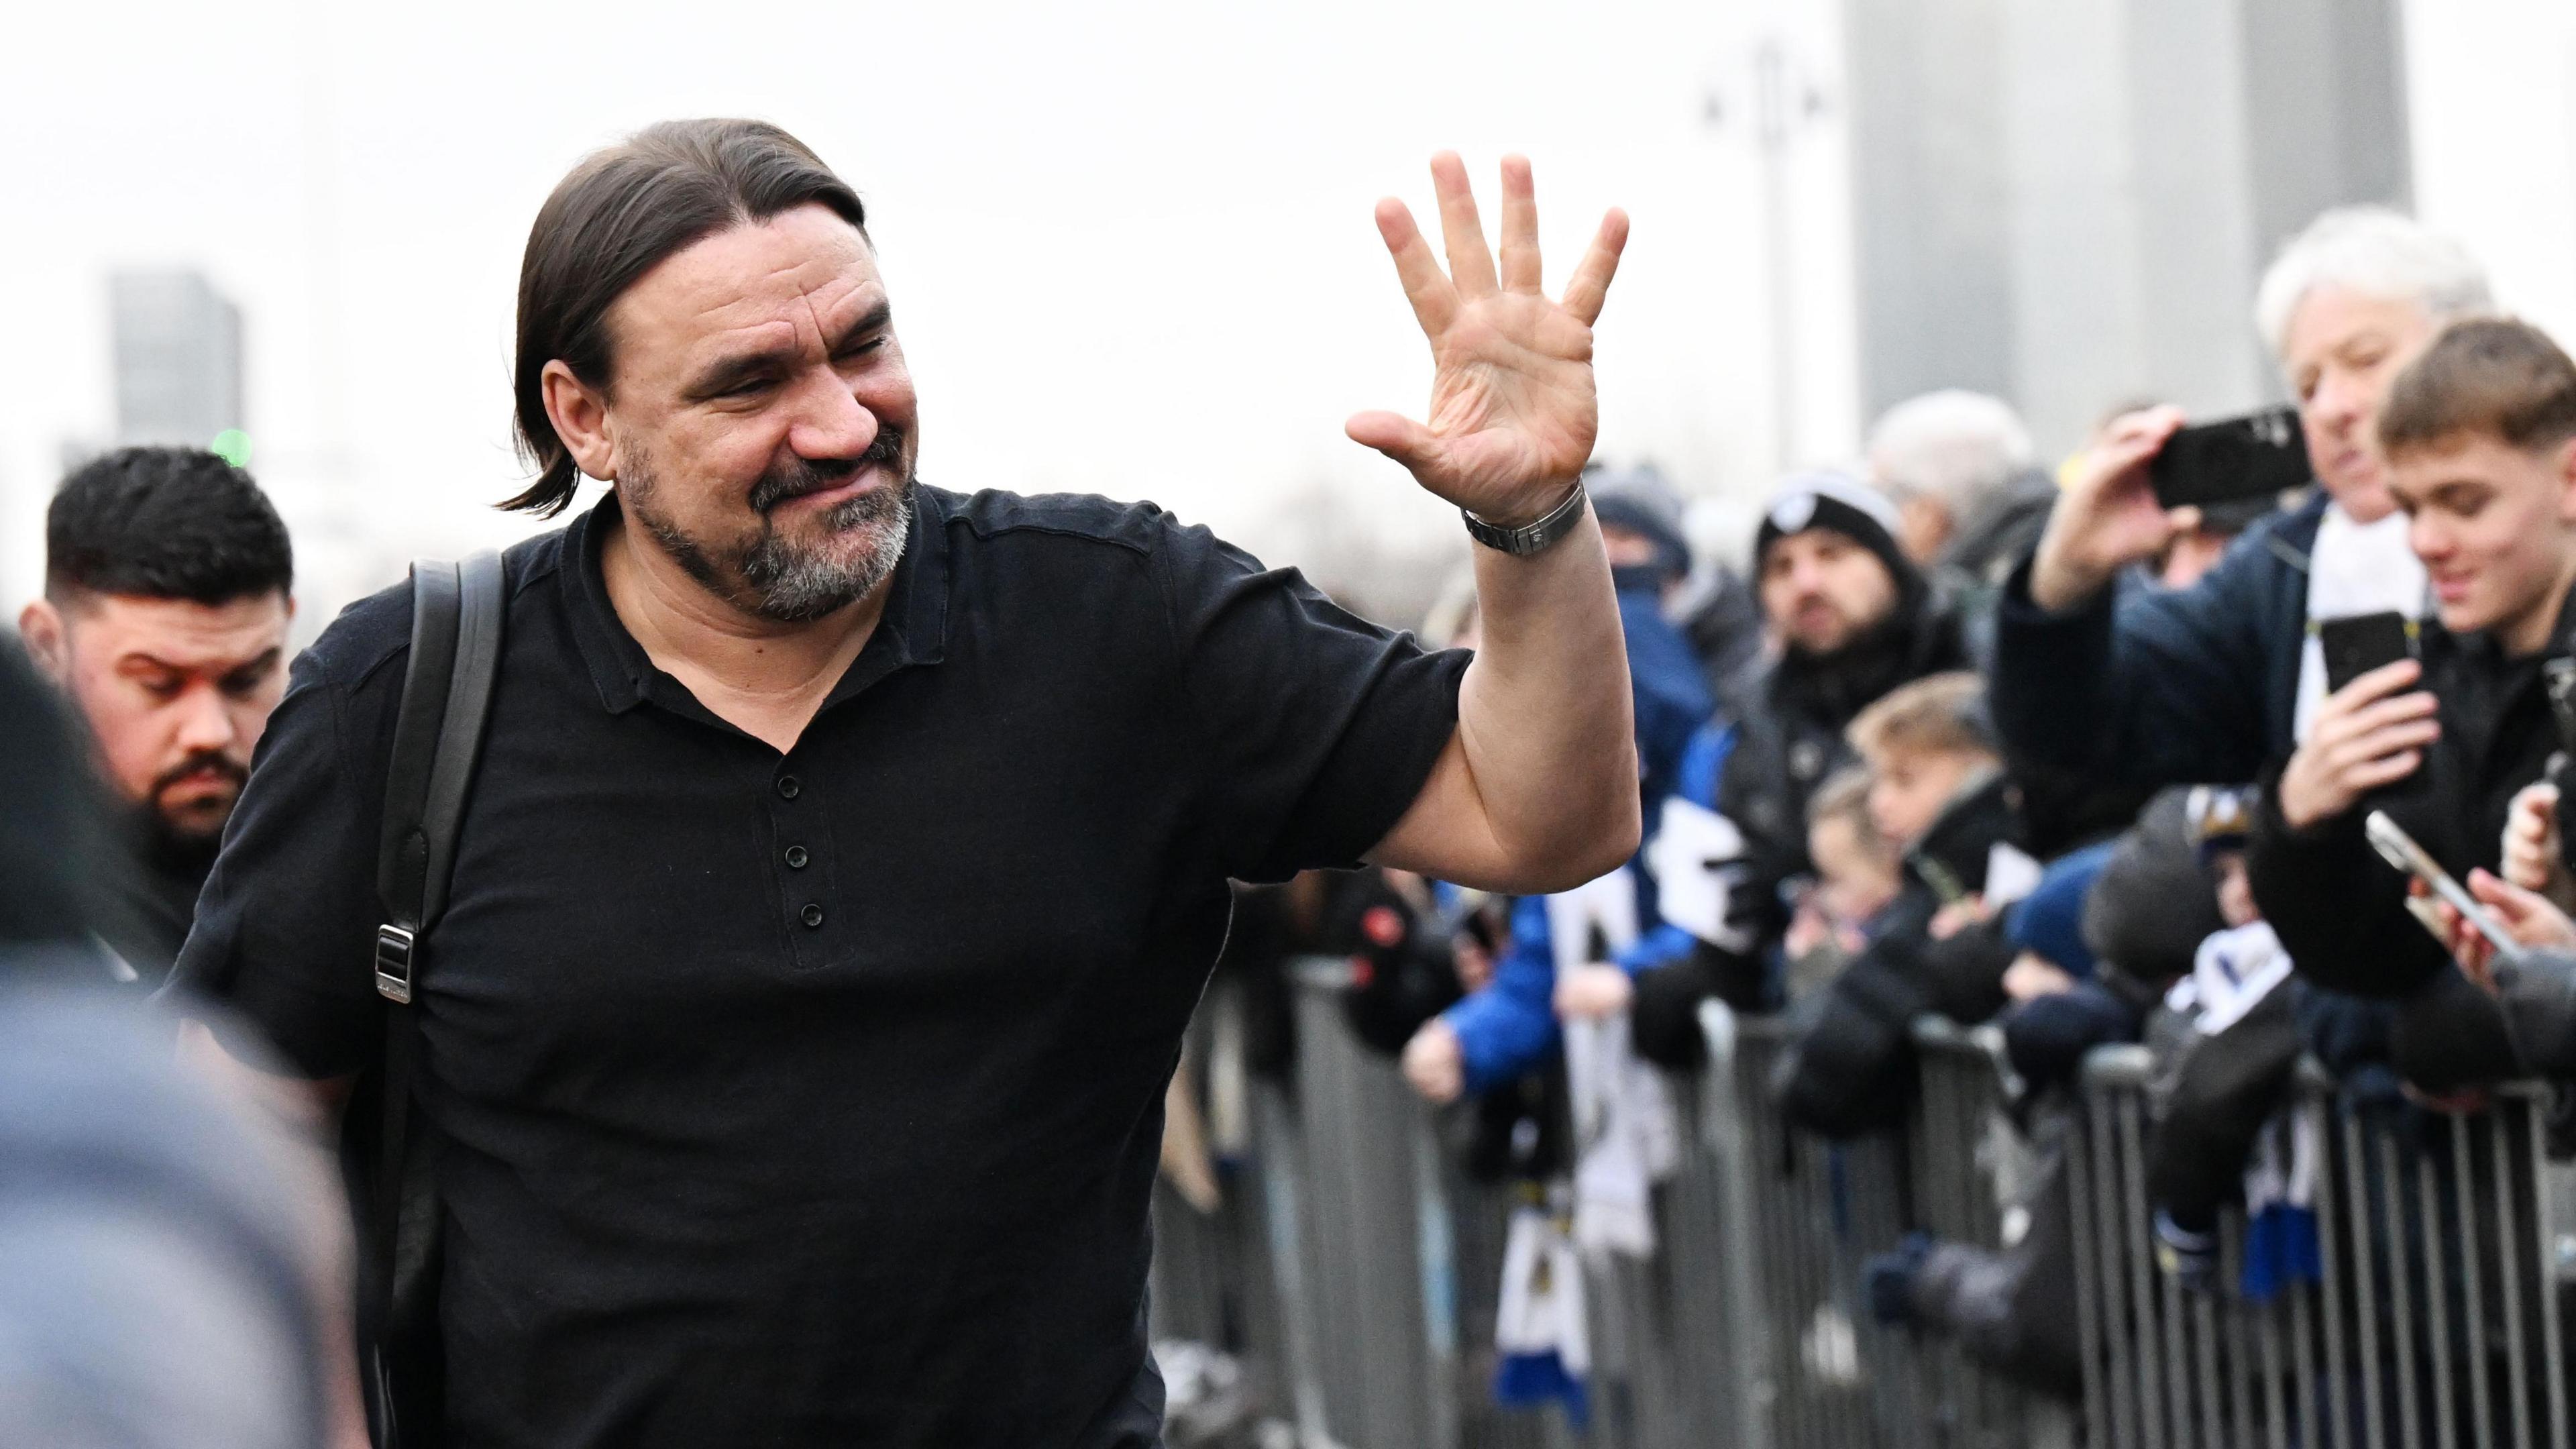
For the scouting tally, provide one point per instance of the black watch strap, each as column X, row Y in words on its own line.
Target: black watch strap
column 1532, row 537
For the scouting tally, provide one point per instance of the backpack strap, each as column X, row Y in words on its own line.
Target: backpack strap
column 438, row 732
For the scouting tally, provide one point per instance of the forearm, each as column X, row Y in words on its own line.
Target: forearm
column 1544, row 714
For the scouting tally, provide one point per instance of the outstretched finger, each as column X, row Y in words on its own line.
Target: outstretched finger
column 1435, row 302
column 1520, row 227
column 1471, row 264
column 1590, row 285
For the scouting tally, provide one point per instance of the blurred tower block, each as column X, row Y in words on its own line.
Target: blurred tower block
column 2068, row 202
column 178, row 358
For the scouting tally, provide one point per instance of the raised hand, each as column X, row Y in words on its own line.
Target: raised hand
column 1513, row 412
column 2108, row 518
column 2367, row 734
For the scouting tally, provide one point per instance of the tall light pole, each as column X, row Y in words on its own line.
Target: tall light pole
column 1785, row 102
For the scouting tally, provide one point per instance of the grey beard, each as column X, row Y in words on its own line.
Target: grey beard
column 776, row 578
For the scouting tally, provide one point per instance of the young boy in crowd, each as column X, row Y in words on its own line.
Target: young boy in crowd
column 1937, row 794
column 2480, row 437
column 1858, row 874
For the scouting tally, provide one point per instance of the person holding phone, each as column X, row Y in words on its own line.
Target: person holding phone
column 2480, row 433
column 2215, row 682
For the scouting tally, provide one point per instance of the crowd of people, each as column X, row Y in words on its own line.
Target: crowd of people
column 2002, row 744
column 1965, row 736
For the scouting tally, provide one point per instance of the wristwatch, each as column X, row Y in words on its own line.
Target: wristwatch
column 1532, row 537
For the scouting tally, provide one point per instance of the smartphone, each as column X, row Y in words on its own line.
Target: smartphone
column 2356, row 644
column 2400, row 850
column 2242, row 457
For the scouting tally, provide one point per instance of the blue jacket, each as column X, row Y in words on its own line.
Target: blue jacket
column 1510, row 1026
column 2149, row 686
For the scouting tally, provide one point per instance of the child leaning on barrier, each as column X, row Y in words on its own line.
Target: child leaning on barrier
column 2012, row 1308
column 2228, row 1042
column 1938, row 794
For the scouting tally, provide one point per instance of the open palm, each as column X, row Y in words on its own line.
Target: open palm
column 1513, row 412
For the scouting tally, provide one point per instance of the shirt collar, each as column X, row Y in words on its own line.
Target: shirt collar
column 913, row 629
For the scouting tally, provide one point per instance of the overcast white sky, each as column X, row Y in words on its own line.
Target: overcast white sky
column 1129, row 244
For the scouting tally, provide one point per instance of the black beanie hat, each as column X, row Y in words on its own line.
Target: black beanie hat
column 1839, row 502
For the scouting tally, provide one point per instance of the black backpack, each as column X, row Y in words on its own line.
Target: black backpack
column 446, row 698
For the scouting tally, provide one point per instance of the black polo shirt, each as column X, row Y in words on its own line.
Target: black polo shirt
column 814, row 1099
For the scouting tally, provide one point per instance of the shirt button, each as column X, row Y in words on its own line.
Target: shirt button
column 787, row 787
column 796, row 857
column 813, row 915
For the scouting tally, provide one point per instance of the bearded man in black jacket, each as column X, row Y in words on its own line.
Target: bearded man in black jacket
column 1853, row 618
column 2480, row 432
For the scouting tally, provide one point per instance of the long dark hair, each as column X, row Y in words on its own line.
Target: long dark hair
column 615, row 217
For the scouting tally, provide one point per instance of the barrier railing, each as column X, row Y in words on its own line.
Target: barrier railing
column 1974, row 1175
column 2439, row 1317
column 2439, row 1321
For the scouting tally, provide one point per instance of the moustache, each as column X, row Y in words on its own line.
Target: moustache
column 203, row 762
column 813, row 475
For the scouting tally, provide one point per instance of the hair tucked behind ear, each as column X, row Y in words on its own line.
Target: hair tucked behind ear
column 618, row 215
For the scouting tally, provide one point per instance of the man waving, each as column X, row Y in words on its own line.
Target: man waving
column 846, row 854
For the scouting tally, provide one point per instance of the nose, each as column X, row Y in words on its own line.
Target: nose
column 2340, row 402
column 831, row 422
column 204, row 723
column 2430, row 540
column 1808, row 577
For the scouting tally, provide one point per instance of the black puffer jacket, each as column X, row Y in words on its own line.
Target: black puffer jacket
column 1852, row 1069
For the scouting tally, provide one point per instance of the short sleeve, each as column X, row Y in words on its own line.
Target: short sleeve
column 285, row 927
column 1317, row 728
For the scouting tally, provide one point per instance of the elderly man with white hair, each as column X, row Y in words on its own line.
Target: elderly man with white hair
column 2217, row 682
column 1969, row 496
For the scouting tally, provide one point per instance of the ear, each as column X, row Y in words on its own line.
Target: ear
column 1923, row 526
column 40, row 625
column 579, row 413
column 2563, row 464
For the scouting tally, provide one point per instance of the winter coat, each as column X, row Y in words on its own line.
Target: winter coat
column 1851, row 1070
column 2160, row 687
column 2339, row 909
column 1789, row 719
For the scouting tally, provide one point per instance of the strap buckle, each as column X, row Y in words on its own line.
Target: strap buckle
column 393, row 963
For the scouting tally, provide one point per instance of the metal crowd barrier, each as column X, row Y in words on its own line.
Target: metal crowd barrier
column 1973, row 1172
column 2440, row 1322
column 2441, row 1318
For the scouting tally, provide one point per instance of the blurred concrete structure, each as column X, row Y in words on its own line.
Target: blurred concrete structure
column 2067, row 202
column 178, row 358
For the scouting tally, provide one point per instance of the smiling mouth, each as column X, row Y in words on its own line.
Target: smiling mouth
column 859, row 481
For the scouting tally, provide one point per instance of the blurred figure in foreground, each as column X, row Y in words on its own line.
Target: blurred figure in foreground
column 159, row 1280
column 168, row 581
column 171, row 1267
